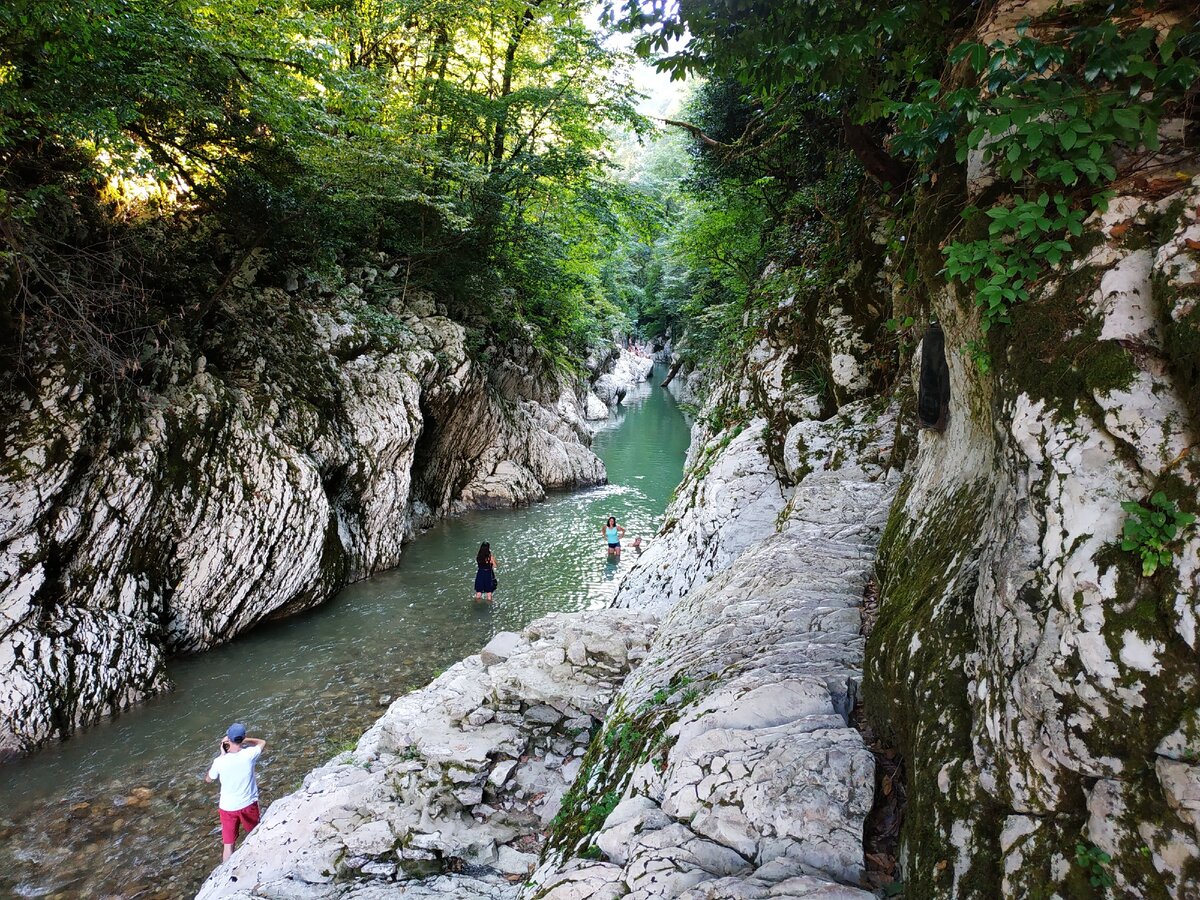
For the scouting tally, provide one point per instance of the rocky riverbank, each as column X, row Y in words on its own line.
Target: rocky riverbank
column 464, row 774
column 727, row 766
column 611, row 377
column 724, row 765
column 723, row 762
column 251, row 485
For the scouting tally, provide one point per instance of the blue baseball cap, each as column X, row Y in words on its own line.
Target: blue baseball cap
column 236, row 731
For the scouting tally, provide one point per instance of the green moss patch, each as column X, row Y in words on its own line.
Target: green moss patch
column 628, row 739
column 916, row 692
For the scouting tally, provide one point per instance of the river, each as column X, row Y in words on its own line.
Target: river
column 121, row 810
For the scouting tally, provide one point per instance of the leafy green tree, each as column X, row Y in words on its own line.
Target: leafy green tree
column 466, row 139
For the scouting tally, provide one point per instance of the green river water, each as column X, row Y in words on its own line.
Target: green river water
column 121, row 810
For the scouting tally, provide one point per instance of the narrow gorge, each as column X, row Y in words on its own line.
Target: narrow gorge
column 239, row 498
column 919, row 618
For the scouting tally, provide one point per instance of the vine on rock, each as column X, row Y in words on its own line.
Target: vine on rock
column 1047, row 116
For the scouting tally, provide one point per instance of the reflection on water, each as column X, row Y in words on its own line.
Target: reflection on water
column 121, row 810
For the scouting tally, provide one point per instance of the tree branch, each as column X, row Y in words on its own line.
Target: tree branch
column 698, row 133
column 880, row 164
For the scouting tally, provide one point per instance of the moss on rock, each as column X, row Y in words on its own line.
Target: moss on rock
column 916, row 691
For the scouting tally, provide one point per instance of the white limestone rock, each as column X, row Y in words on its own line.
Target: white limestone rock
column 595, row 409
column 619, row 375
column 758, row 787
column 1013, row 519
column 414, row 787
column 513, row 862
column 710, row 523
column 229, row 499
column 501, row 647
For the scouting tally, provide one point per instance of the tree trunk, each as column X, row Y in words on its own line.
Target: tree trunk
column 673, row 371
column 880, row 164
column 510, row 57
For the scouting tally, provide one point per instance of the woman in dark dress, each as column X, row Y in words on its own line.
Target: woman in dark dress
column 485, row 575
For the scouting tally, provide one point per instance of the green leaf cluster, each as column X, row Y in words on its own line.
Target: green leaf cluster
column 1096, row 863
column 1023, row 238
column 1046, row 115
column 1150, row 531
column 1049, row 111
column 756, row 189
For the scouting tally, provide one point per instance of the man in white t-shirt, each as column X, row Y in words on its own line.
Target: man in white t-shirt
column 239, row 789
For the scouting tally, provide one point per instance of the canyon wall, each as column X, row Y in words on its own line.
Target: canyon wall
column 826, row 563
column 1043, row 690
column 697, row 746
column 1041, row 686
column 250, row 485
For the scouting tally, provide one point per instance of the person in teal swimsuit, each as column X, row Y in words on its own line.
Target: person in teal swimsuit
column 613, row 533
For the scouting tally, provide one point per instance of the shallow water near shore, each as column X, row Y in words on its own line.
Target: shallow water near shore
column 122, row 810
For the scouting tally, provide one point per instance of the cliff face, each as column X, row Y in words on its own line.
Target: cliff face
column 1039, row 689
column 250, row 486
column 1066, row 682
column 1042, row 690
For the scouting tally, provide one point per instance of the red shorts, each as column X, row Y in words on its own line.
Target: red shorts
column 247, row 817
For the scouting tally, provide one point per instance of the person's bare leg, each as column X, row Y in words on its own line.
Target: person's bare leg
column 477, row 595
column 228, row 852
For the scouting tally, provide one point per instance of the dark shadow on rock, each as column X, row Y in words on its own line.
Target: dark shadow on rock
column 933, row 393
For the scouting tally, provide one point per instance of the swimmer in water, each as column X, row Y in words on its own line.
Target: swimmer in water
column 613, row 534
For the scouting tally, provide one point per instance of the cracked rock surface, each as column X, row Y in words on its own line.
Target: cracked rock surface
column 605, row 755
column 728, row 762
column 461, row 776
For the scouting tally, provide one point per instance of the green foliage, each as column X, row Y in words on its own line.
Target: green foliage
column 625, row 742
column 1149, row 531
column 1095, row 862
column 1048, row 110
column 465, row 139
column 1054, row 109
column 679, row 687
column 1051, row 114
column 625, row 738
column 582, row 814
column 598, row 811
column 746, row 195
column 1023, row 237
column 851, row 53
